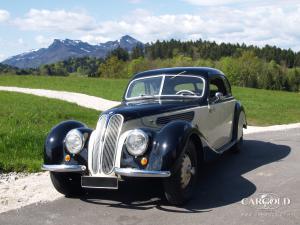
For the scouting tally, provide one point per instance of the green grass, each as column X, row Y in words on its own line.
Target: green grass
column 25, row 121
column 105, row 88
column 263, row 107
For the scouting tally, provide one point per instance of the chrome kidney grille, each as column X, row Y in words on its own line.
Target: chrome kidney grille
column 105, row 144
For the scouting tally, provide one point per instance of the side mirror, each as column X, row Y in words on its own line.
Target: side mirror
column 218, row 96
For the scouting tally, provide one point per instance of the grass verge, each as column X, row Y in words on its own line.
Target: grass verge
column 25, row 121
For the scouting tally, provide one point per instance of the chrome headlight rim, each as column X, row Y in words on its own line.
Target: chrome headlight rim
column 72, row 149
column 143, row 148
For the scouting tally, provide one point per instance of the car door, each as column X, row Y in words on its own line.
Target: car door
column 220, row 112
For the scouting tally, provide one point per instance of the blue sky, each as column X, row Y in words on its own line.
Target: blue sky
column 26, row 25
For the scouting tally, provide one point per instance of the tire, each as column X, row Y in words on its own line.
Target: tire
column 237, row 147
column 177, row 189
column 68, row 184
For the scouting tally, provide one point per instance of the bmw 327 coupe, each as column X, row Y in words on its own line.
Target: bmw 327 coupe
column 168, row 123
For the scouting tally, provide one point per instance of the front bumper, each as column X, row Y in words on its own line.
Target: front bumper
column 127, row 172
column 130, row 172
column 64, row 168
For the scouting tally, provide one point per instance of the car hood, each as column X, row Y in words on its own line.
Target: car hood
column 138, row 109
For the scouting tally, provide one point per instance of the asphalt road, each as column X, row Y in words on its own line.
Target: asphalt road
column 269, row 164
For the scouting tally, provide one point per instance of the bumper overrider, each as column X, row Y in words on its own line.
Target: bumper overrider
column 126, row 172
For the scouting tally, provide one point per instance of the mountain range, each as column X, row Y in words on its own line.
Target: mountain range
column 64, row 49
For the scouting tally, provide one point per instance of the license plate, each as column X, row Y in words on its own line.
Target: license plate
column 99, row 182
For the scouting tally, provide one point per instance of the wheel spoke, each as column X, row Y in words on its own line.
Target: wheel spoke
column 186, row 171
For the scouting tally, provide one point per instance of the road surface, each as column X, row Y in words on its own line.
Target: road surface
column 269, row 165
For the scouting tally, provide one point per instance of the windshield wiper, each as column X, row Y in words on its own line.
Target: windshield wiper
column 182, row 72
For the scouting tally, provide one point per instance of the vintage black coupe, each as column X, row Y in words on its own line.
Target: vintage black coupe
column 168, row 124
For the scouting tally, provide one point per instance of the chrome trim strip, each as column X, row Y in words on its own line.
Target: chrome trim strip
column 130, row 172
column 64, row 168
column 108, row 188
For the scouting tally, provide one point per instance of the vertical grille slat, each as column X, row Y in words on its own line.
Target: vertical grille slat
column 110, row 143
column 100, row 130
column 105, row 146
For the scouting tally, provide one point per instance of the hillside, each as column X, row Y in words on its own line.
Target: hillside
column 63, row 49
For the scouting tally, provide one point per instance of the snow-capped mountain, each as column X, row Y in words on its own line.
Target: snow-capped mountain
column 64, row 49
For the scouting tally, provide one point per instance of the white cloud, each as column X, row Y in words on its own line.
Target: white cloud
column 275, row 24
column 4, row 15
column 212, row 2
column 43, row 41
column 57, row 20
column 240, row 3
column 20, row 41
column 2, row 57
column 94, row 39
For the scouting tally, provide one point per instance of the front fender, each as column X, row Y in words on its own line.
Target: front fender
column 169, row 143
column 54, row 150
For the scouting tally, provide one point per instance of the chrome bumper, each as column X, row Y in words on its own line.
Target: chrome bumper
column 64, row 168
column 130, row 172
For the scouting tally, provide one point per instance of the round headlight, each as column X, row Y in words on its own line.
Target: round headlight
column 74, row 141
column 137, row 142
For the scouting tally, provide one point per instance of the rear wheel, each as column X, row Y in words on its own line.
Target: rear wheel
column 237, row 147
column 180, row 187
column 68, row 184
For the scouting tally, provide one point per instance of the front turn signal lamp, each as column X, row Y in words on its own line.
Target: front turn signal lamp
column 144, row 161
column 67, row 158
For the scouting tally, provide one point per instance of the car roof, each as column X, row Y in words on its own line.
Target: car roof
column 200, row 71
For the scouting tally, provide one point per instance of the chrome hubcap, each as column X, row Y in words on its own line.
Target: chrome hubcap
column 186, row 171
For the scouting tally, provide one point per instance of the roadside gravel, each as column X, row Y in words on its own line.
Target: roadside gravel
column 83, row 100
column 21, row 189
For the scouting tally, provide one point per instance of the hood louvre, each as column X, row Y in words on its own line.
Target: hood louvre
column 187, row 116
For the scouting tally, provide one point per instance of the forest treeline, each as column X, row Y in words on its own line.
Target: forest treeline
column 268, row 67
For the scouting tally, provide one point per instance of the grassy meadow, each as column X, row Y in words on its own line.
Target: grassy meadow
column 263, row 107
column 25, row 121
column 106, row 88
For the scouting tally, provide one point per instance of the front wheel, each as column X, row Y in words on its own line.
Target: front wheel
column 68, row 184
column 180, row 187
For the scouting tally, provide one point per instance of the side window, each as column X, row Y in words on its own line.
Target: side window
column 227, row 86
column 217, row 85
column 138, row 89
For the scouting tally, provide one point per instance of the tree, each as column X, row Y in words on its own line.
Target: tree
column 111, row 68
column 120, row 53
column 137, row 52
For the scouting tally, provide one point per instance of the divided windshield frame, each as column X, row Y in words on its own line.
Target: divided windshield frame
column 162, row 85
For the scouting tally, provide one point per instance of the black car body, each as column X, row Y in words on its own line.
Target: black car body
column 169, row 122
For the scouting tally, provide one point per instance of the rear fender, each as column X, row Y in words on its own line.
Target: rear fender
column 237, row 111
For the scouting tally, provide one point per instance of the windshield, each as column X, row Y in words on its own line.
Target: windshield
column 166, row 85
